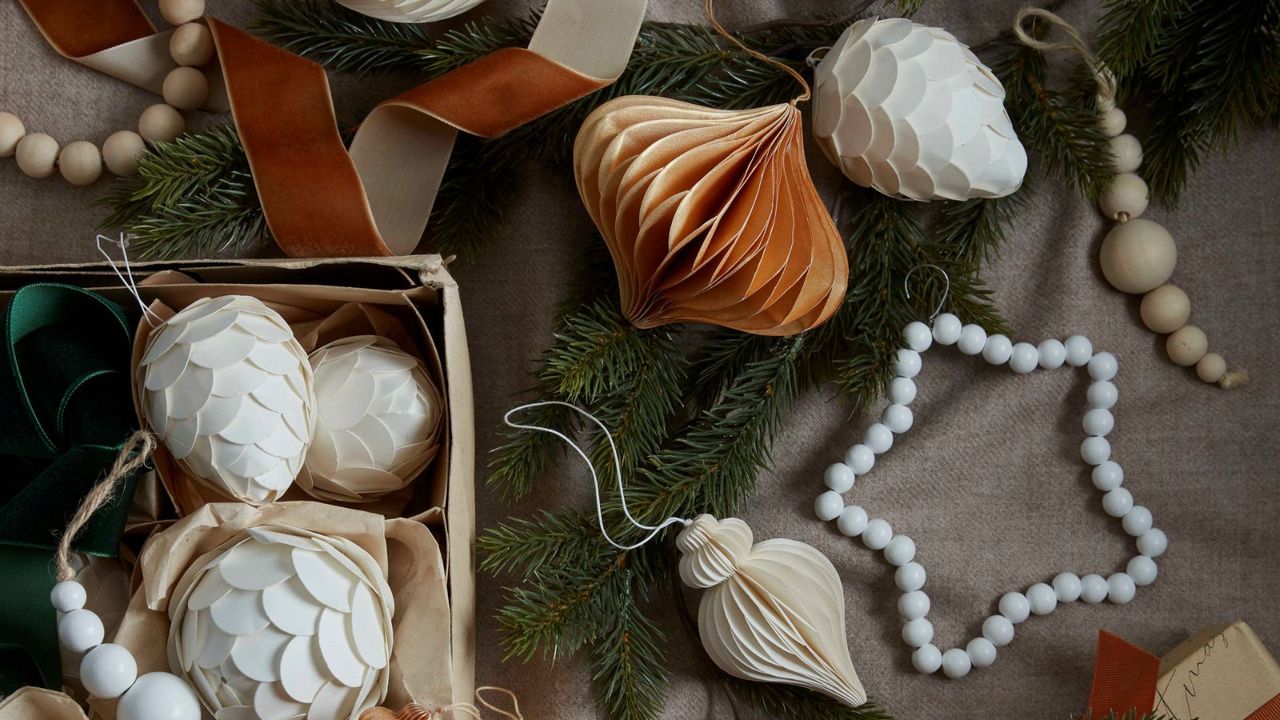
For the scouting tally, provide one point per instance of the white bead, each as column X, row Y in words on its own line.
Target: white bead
column 981, row 652
column 180, row 12
column 918, row 632
column 1137, row 256
column 1079, row 350
column 877, row 534
column 917, row 336
column 1186, row 345
column 122, row 151
column 11, row 131
column 852, row 521
column 914, row 604
column 956, row 663
column 1153, row 543
column 1042, row 599
column 1103, row 366
column 1117, row 502
column 80, row 163
column 159, row 696
column 161, row 122
column 1126, row 153
column 1137, row 521
column 191, row 44
column 839, row 478
column 107, row 671
column 902, row 391
column 1103, row 394
column 1025, row 358
column 1165, row 309
column 909, row 577
column 1142, row 570
column 68, row 595
column 80, row 630
column 1015, row 607
column 972, row 339
column 946, row 329
column 1120, row 588
column 1095, row 450
column 906, row 363
column 1099, row 422
column 900, row 550
column 897, row 418
column 1108, row 476
column 998, row 350
column 828, row 506
column 1052, row 354
column 926, row 660
column 860, row 458
column 998, row 630
column 1127, row 194
column 879, row 438
column 185, row 88
column 37, row 155
column 1093, row 589
column 1067, row 587
column 1112, row 122
column 1211, row 368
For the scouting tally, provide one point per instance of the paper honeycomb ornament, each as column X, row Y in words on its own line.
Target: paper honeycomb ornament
column 910, row 111
column 285, row 623
column 228, row 389
column 710, row 215
column 410, row 11
column 378, row 418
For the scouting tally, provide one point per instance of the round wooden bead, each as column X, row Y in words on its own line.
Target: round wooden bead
column 1165, row 309
column 185, row 88
column 122, row 151
column 68, row 595
column 1137, row 256
column 11, row 131
column 159, row 696
column 161, row 122
column 80, row 163
column 80, row 630
column 1126, row 194
column 1126, row 153
column 37, row 154
column 1112, row 122
column 108, row 670
column 191, row 45
column 1211, row 368
column 1187, row 345
column 178, row 12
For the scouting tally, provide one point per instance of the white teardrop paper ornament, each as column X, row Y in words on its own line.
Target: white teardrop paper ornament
column 227, row 388
column 411, row 11
column 910, row 111
column 377, row 420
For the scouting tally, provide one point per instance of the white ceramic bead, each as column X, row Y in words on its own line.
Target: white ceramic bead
column 80, row 163
column 998, row 630
column 914, row 604
column 1142, row 570
column 972, row 339
column 956, row 663
column 1093, row 589
column 1103, row 366
column 902, row 391
column 1137, row 521
column 1052, row 354
column 906, row 363
column 1015, row 607
column 68, row 595
column 918, row 632
column 1103, row 394
column 1211, row 368
column 852, row 521
column 927, row 659
column 1117, row 502
column 1153, row 543
column 1112, row 122
column 80, row 630
column 1042, row 599
column 1025, row 358
column 997, row 350
column 1186, row 345
column 1126, row 153
column 900, row 550
column 860, row 458
column 122, row 151
column 828, row 506
column 877, row 534
column 185, row 88
column 1120, row 588
column 879, row 438
column 11, row 131
column 1125, row 195
column 1108, row 476
column 1067, row 587
column 909, row 577
column 159, row 696
column 1165, row 309
column 1079, row 350
column 37, row 155
column 1099, row 422
column 897, row 418
column 839, row 478
column 161, row 122
column 1095, row 450
column 191, row 44
column 1137, row 256
column 946, row 329
column 108, row 670
column 179, row 12
column 981, row 651
column 917, row 336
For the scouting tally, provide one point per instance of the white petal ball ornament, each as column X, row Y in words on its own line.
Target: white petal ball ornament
column 284, row 624
column 227, row 388
column 410, row 11
column 910, row 111
column 377, row 420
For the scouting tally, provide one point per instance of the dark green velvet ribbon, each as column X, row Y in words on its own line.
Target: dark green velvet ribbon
column 65, row 412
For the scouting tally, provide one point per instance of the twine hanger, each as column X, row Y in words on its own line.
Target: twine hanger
column 720, row 30
column 414, row 711
column 1105, row 79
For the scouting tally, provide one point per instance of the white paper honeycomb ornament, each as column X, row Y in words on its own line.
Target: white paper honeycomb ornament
column 910, row 111
column 411, row 11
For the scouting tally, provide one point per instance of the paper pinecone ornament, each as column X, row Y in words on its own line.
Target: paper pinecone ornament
column 377, row 420
column 284, row 624
column 772, row 612
column 710, row 215
column 411, row 11
column 912, row 112
column 227, row 388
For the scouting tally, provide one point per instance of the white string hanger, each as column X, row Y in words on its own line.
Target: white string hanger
column 129, row 283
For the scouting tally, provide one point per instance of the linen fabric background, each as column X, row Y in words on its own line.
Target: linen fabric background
column 988, row 482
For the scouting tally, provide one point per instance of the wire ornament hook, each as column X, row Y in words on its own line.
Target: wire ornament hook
column 946, row 290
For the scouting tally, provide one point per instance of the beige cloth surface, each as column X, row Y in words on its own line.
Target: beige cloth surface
column 987, row 483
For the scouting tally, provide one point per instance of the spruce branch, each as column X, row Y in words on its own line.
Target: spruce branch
column 787, row 702
column 630, row 666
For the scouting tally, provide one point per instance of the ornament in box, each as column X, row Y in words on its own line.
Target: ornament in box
column 411, row 11
column 378, row 418
column 910, row 111
column 228, row 389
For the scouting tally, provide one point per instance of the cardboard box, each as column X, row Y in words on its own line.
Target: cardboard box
column 1222, row 672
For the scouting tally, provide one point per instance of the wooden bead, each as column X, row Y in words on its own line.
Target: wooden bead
column 1211, row 368
column 1165, row 309
column 191, row 45
column 1112, row 122
column 122, row 151
column 185, row 88
column 1187, row 345
column 1127, row 193
column 1126, row 153
column 37, row 154
column 80, row 163
column 1137, row 256
column 11, row 131
column 178, row 12
column 161, row 122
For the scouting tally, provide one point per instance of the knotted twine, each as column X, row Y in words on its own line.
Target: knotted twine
column 414, row 711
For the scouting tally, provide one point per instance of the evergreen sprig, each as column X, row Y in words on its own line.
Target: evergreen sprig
column 786, row 702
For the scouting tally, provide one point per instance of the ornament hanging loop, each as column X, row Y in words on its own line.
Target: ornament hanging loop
column 126, row 278
column 1106, row 80
column 720, row 29
column 946, row 290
